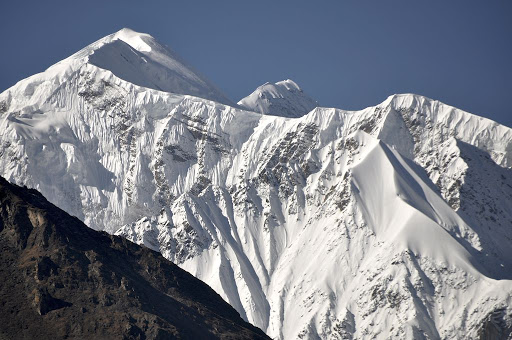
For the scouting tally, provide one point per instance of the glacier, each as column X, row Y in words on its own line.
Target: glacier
column 394, row 221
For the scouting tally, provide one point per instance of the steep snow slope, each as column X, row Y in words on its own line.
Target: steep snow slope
column 389, row 221
column 136, row 58
column 284, row 98
column 469, row 160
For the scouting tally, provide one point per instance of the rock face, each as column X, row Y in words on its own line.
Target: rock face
column 495, row 327
column 61, row 279
column 390, row 222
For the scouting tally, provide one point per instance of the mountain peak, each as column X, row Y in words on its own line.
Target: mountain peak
column 284, row 98
column 134, row 39
column 289, row 84
column 140, row 59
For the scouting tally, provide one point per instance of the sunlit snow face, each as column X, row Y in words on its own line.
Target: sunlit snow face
column 360, row 223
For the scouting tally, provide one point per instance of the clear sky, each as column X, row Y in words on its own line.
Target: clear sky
column 346, row 54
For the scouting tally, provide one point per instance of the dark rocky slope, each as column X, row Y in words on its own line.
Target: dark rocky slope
column 60, row 279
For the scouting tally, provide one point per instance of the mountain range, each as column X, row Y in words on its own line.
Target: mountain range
column 394, row 221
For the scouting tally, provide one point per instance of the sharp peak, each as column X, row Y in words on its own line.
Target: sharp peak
column 287, row 83
column 137, row 40
column 128, row 30
column 129, row 33
column 141, row 42
column 290, row 85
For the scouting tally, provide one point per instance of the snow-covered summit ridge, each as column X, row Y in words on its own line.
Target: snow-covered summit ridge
column 137, row 58
column 135, row 39
column 422, row 113
column 284, row 98
column 139, row 41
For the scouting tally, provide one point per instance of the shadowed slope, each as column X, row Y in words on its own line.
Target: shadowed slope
column 61, row 279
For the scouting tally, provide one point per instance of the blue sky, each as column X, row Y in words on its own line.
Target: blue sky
column 346, row 54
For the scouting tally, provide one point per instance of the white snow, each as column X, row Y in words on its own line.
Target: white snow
column 284, row 98
column 140, row 59
column 389, row 222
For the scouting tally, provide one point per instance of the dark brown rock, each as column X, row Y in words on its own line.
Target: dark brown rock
column 44, row 302
column 61, row 279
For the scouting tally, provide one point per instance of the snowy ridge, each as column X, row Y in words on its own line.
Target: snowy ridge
column 136, row 58
column 284, row 98
column 393, row 221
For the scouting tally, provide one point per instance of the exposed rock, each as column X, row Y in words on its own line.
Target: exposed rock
column 44, row 302
column 494, row 327
column 61, row 279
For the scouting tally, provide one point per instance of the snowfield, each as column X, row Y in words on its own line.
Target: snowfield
column 314, row 223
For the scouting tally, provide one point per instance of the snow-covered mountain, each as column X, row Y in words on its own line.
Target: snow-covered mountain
column 393, row 221
column 284, row 99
